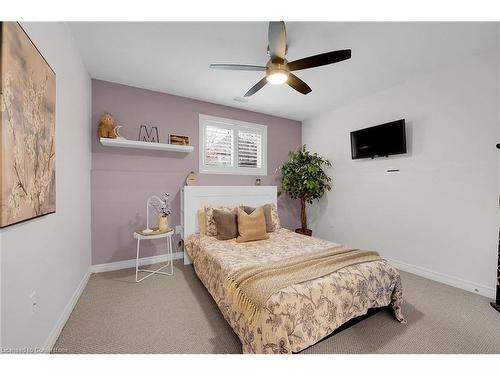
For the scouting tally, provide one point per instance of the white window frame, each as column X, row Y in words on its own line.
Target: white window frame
column 235, row 125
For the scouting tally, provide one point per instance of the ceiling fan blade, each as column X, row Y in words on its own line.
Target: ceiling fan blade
column 319, row 60
column 256, row 87
column 297, row 84
column 238, row 67
column 277, row 41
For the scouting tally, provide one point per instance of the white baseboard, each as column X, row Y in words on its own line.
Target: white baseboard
column 130, row 263
column 56, row 331
column 469, row 286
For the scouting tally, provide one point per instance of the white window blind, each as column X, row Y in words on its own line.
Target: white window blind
column 232, row 147
column 219, row 146
column 249, row 149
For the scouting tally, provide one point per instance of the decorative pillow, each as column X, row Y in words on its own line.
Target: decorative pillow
column 275, row 217
column 251, row 227
column 202, row 224
column 226, row 223
column 211, row 227
column 267, row 214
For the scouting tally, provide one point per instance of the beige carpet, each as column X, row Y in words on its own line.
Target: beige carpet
column 177, row 315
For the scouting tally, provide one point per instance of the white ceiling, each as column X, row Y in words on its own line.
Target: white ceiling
column 173, row 57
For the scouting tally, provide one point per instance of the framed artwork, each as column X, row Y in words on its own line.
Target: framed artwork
column 27, row 119
column 181, row 140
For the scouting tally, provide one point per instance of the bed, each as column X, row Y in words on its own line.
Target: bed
column 297, row 315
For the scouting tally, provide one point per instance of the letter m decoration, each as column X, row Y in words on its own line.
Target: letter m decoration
column 148, row 135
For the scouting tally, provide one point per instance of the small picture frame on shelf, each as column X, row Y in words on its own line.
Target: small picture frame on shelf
column 181, row 140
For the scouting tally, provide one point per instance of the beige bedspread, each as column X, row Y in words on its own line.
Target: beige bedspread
column 299, row 315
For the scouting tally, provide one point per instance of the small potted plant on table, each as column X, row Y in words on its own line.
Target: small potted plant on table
column 303, row 177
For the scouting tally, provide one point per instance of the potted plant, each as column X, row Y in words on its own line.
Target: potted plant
column 303, row 177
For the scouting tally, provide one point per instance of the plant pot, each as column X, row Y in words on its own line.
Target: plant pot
column 305, row 232
column 163, row 223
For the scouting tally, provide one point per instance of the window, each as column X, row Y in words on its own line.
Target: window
column 232, row 147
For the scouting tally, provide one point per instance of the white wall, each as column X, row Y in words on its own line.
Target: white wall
column 438, row 216
column 51, row 254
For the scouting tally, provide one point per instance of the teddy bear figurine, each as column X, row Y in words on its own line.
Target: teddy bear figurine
column 106, row 126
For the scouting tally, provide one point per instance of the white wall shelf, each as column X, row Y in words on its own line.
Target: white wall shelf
column 144, row 145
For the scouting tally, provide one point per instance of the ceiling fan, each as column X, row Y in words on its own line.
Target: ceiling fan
column 278, row 69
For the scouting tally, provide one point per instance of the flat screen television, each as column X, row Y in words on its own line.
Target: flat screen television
column 381, row 140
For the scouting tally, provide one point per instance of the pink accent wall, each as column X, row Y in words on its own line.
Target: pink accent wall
column 123, row 179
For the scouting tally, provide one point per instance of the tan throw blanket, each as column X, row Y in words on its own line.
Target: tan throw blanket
column 251, row 287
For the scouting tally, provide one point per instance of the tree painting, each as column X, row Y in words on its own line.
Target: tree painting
column 27, row 128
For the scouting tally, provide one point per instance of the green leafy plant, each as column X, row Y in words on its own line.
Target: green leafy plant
column 303, row 177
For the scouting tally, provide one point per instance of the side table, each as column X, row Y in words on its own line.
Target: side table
column 139, row 237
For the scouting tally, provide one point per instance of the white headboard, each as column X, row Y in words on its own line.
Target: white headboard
column 194, row 197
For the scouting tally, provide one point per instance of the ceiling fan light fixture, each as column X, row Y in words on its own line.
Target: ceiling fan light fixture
column 277, row 77
column 278, row 69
